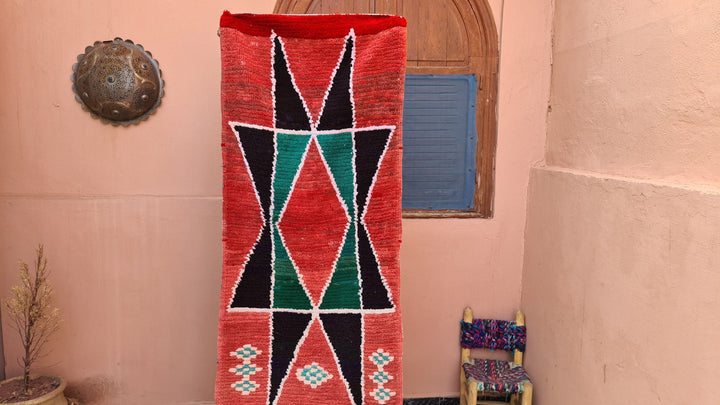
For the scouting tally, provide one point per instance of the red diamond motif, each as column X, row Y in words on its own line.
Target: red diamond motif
column 314, row 224
column 314, row 77
column 315, row 348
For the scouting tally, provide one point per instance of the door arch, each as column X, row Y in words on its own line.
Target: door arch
column 444, row 37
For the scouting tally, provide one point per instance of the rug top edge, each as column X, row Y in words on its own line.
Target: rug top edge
column 311, row 26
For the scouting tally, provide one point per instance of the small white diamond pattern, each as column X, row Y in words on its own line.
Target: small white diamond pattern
column 246, row 353
column 313, row 375
column 381, row 394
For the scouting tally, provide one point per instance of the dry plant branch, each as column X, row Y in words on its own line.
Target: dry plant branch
column 30, row 312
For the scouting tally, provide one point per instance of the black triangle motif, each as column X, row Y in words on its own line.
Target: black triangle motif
column 290, row 112
column 288, row 329
column 344, row 331
column 258, row 147
column 337, row 111
column 253, row 289
column 369, row 148
column 374, row 293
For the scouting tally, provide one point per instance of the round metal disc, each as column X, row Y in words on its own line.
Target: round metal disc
column 118, row 81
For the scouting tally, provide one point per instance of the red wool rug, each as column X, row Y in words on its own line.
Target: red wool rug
column 311, row 137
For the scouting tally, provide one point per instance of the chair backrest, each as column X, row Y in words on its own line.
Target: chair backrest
column 493, row 334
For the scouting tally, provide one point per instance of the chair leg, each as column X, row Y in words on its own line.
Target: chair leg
column 527, row 394
column 472, row 394
column 463, row 388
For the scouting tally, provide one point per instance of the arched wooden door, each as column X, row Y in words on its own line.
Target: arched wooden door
column 444, row 37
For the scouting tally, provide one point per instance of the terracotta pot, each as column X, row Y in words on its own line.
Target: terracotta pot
column 54, row 397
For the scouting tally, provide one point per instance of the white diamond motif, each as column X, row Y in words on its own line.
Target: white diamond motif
column 313, row 375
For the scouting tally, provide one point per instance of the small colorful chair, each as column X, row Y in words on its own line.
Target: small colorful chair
column 493, row 379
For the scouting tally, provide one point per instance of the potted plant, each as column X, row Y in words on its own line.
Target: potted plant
column 31, row 314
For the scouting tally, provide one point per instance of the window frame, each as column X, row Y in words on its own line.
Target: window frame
column 424, row 137
column 482, row 48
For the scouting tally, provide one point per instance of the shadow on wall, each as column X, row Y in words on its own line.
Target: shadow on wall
column 92, row 390
column 431, row 401
column 2, row 351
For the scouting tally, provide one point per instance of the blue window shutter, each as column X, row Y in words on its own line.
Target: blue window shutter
column 439, row 142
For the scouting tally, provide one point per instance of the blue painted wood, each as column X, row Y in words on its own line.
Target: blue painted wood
column 439, row 142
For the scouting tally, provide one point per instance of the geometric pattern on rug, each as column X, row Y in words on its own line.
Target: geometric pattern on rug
column 380, row 377
column 313, row 181
column 312, row 150
column 245, row 370
column 288, row 165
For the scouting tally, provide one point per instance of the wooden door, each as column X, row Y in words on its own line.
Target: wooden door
column 444, row 37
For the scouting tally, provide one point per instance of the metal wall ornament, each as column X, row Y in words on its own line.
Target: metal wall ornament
column 118, row 82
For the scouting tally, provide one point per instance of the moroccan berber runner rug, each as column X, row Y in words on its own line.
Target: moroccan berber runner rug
column 311, row 140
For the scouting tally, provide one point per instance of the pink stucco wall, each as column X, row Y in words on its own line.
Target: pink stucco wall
column 131, row 217
column 622, row 265
column 449, row 264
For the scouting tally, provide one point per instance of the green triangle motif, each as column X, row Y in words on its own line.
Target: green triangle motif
column 337, row 149
column 344, row 288
column 290, row 151
column 287, row 291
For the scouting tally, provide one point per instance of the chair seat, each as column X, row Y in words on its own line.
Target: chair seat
column 495, row 375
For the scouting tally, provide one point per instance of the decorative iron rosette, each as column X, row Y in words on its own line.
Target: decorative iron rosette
column 118, row 82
